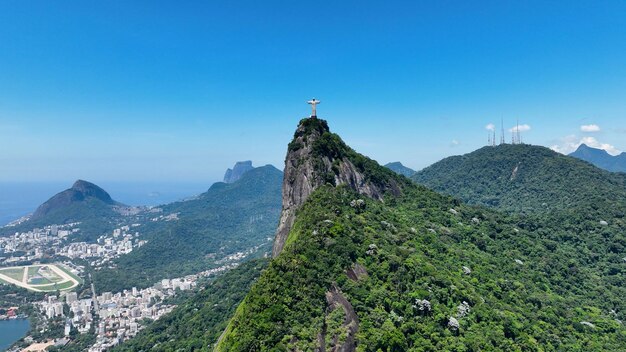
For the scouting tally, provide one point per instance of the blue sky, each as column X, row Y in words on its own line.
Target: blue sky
column 160, row 91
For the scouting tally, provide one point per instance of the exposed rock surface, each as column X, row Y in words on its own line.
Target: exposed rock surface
column 350, row 326
column 357, row 272
column 240, row 168
column 317, row 157
column 79, row 192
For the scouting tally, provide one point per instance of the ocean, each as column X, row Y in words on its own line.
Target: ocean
column 11, row 331
column 20, row 198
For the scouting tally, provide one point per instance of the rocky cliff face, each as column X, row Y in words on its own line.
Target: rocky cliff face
column 240, row 168
column 317, row 157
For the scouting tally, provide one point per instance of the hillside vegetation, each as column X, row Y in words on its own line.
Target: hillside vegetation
column 84, row 202
column 525, row 178
column 228, row 218
column 423, row 272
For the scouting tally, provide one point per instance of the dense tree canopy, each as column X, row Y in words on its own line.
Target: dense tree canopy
column 521, row 286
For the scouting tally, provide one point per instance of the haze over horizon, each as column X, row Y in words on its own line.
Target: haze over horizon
column 177, row 93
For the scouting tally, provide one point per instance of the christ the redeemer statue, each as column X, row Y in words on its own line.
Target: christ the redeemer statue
column 313, row 103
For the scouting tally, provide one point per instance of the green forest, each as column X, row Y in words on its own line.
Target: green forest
column 424, row 272
column 526, row 179
column 523, row 288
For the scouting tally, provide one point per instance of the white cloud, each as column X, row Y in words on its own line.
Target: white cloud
column 590, row 128
column 570, row 143
column 521, row 128
column 490, row 127
column 454, row 143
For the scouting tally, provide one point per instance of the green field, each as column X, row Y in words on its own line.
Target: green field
column 63, row 285
column 68, row 272
column 32, row 271
column 14, row 273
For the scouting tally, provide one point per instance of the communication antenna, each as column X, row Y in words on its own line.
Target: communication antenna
column 502, row 140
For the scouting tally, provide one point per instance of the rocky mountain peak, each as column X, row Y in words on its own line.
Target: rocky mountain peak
column 86, row 189
column 398, row 168
column 601, row 158
column 316, row 157
column 240, row 168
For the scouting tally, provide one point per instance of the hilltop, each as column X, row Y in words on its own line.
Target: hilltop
column 524, row 178
column 601, row 158
column 316, row 157
column 84, row 202
column 240, row 168
column 81, row 191
column 398, row 168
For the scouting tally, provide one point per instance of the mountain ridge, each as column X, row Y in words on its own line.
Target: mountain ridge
column 601, row 158
column 524, row 178
column 400, row 169
column 80, row 191
column 316, row 157
column 83, row 202
column 421, row 271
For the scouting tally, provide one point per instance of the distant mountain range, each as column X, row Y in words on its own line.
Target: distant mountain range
column 183, row 237
column 191, row 236
column 398, row 168
column 601, row 158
